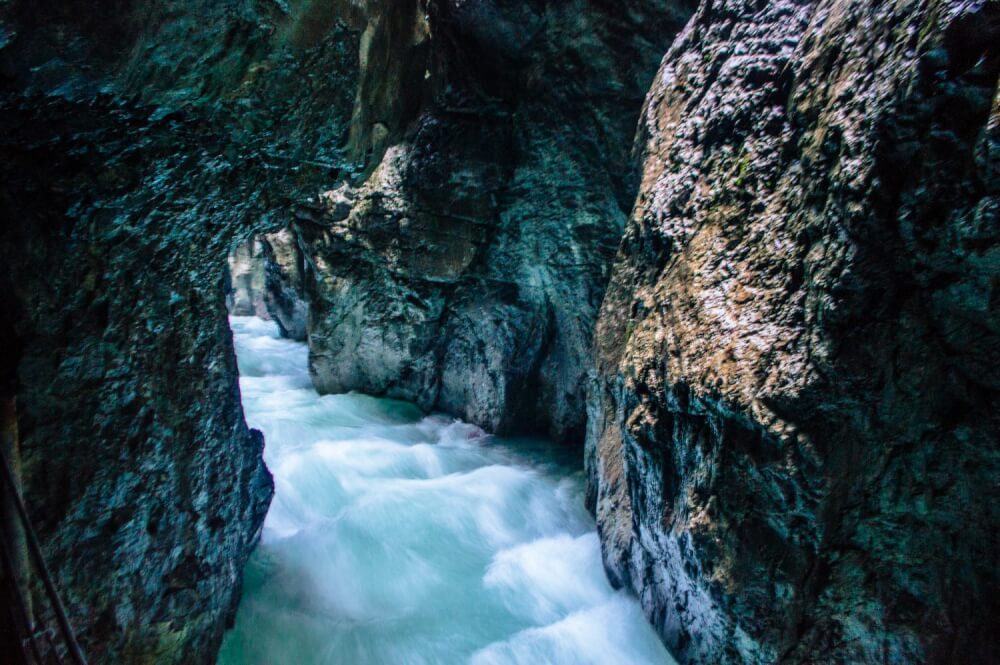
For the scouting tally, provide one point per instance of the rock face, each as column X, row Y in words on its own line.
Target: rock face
column 145, row 485
column 137, row 144
column 285, row 279
column 266, row 278
column 247, row 274
column 790, row 392
column 794, row 422
column 465, row 268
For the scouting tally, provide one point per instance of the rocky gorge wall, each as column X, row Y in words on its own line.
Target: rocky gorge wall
column 790, row 398
column 135, row 148
column 142, row 480
column 794, row 422
column 463, row 269
column 266, row 278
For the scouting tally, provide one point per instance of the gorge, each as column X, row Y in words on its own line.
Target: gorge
column 395, row 537
column 739, row 259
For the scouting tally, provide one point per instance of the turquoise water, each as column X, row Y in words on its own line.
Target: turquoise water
column 396, row 538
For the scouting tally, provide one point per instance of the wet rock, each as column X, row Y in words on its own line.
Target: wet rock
column 795, row 404
column 468, row 272
column 247, row 276
column 130, row 167
column 286, row 273
column 266, row 278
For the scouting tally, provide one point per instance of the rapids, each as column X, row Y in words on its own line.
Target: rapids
column 398, row 538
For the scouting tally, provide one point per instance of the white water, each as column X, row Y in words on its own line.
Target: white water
column 395, row 538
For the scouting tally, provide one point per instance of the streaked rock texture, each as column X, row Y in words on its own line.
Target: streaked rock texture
column 247, row 280
column 285, row 279
column 794, row 436
column 465, row 269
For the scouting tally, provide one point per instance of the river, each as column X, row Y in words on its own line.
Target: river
column 396, row 538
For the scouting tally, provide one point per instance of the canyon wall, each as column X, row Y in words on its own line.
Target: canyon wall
column 141, row 477
column 138, row 143
column 464, row 267
column 246, row 288
column 793, row 444
column 266, row 277
column 789, row 397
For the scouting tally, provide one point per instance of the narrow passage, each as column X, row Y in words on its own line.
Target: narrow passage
column 396, row 538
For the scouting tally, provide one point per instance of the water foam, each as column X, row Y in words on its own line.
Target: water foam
column 399, row 538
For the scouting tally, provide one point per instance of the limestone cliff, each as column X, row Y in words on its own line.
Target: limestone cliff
column 247, row 280
column 793, row 445
column 266, row 278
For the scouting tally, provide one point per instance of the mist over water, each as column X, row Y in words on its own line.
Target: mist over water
column 396, row 538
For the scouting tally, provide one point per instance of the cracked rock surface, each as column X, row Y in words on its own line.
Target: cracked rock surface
column 794, row 421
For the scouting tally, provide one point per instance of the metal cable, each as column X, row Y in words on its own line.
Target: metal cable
column 19, row 606
column 76, row 655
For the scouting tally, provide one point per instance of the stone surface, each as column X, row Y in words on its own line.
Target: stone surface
column 286, row 275
column 795, row 409
column 143, row 482
column 790, row 399
column 465, row 268
column 137, row 144
column 247, row 273
column 266, row 278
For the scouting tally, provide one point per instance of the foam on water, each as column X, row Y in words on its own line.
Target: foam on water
column 396, row 538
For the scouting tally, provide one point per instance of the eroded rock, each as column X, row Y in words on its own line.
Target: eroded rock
column 465, row 270
column 796, row 403
column 266, row 278
column 137, row 146
column 247, row 274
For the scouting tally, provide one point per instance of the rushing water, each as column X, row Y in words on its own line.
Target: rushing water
column 396, row 538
